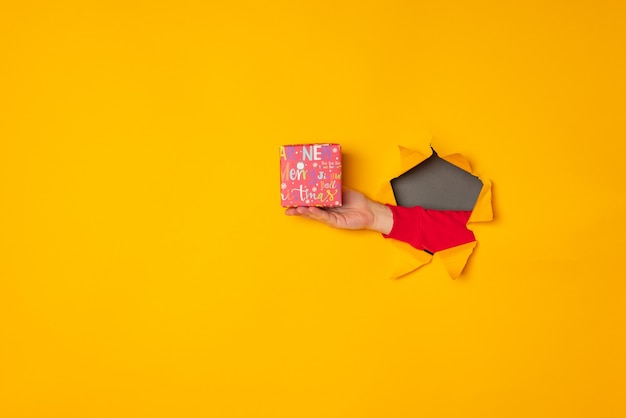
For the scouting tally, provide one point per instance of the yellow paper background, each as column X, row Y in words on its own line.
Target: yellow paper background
column 147, row 269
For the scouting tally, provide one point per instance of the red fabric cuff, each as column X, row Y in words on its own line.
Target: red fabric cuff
column 429, row 229
column 407, row 225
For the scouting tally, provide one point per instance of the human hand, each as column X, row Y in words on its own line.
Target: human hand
column 357, row 212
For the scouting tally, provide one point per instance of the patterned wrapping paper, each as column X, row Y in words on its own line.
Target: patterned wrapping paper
column 310, row 175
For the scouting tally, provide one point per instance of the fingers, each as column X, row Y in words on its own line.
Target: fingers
column 311, row 212
column 316, row 214
column 297, row 211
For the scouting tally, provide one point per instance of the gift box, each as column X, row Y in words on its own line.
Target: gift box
column 310, row 175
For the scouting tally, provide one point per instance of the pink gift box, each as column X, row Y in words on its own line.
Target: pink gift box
column 310, row 175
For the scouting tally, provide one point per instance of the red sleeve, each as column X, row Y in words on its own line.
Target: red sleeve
column 429, row 229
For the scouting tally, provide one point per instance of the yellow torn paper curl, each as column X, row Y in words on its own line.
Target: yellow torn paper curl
column 454, row 259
